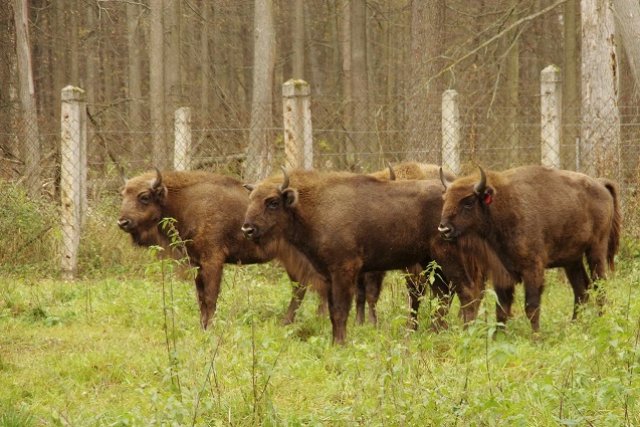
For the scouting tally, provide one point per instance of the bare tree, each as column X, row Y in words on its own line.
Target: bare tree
column 600, row 116
column 156, row 85
column 344, row 13
column 29, row 124
column 571, row 72
column 427, row 41
column 260, row 150
column 359, row 77
column 627, row 18
column 172, row 58
column 134, row 82
column 298, row 40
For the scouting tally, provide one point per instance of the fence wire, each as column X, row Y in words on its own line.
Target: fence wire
column 497, row 138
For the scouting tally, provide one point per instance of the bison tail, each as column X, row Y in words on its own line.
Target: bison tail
column 616, row 226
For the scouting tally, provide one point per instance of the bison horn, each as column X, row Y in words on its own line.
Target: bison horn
column 285, row 183
column 392, row 174
column 158, row 181
column 480, row 186
column 443, row 179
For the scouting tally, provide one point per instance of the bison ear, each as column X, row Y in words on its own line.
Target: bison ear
column 487, row 196
column 290, row 197
column 249, row 187
column 158, row 189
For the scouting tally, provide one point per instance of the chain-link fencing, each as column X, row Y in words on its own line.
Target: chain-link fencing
column 298, row 130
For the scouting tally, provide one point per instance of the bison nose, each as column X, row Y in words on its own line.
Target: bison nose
column 124, row 223
column 248, row 230
column 445, row 230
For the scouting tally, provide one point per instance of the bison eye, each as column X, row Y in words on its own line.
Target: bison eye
column 273, row 203
column 144, row 198
column 468, row 203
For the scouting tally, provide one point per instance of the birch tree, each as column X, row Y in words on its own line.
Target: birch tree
column 600, row 117
column 627, row 18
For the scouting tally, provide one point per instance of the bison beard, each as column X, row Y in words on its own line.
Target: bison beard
column 348, row 224
column 208, row 209
column 516, row 223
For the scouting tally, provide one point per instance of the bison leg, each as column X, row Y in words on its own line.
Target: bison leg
column 416, row 287
column 360, row 298
column 503, row 306
column 372, row 286
column 297, row 295
column 579, row 280
column 343, row 282
column 533, row 287
column 597, row 260
column 444, row 295
column 208, row 287
column 470, row 296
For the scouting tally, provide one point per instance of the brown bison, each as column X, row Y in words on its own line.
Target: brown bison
column 526, row 219
column 370, row 284
column 208, row 209
column 348, row 224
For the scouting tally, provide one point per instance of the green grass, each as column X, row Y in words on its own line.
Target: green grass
column 100, row 351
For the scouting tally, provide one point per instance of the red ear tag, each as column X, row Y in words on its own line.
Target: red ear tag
column 487, row 199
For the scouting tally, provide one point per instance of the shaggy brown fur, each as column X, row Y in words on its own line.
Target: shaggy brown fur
column 370, row 284
column 413, row 170
column 348, row 224
column 208, row 209
column 526, row 219
column 369, row 287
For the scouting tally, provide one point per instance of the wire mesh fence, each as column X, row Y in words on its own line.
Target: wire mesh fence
column 307, row 133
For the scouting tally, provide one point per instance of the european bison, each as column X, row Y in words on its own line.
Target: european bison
column 208, row 209
column 370, row 289
column 347, row 224
column 531, row 218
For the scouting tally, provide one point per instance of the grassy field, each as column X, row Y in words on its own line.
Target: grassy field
column 127, row 350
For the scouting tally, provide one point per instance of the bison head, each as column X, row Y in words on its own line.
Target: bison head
column 269, row 204
column 466, row 202
column 141, row 209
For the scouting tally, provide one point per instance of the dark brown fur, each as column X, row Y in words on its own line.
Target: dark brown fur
column 536, row 218
column 208, row 209
column 348, row 224
column 370, row 284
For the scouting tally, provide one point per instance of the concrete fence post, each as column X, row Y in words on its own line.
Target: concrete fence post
column 451, row 133
column 182, row 145
column 298, row 136
column 73, row 175
column 551, row 116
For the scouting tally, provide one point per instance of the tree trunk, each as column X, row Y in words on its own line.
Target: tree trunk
column 427, row 41
column 172, row 57
column 627, row 18
column 571, row 76
column 134, row 71
column 260, row 150
column 134, row 44
column 360, row 80
column 160, row 155
column 600, row 117
column 298, row 40
column 317, row 80
column 344, row 12
column 204, row 59
column 30, row 134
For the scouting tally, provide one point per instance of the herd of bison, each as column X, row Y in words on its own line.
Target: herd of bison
column 339, row 232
